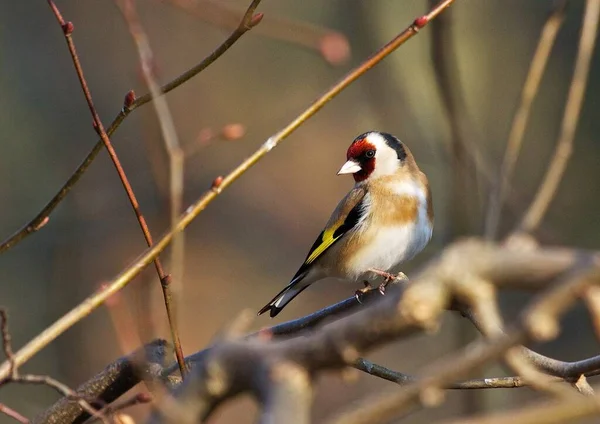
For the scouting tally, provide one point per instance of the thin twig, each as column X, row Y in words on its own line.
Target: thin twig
column 6, row 410
column 131, row 103
column 521, row 117
column 15, row 377
column 404, row 379
column 542, row 412
column 125, row 277
column 332, row 45
column 564, row 147
column 465, row 164
column 163, row 277
column 176, row 171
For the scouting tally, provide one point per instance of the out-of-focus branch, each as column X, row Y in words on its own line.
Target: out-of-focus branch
column 564, row 147
column 466, row 271
column 332, row 45
column 9, row 412
column 464, row 154
column 451, row 276
column 563, row 369
column 404, row 379
column 108, row 385
column 544, row 412
column 15, row 377
column 176, row 172
column 519, row 123
column 125, row 277
column 163, row 277
column 548, row 307
column 131, row 103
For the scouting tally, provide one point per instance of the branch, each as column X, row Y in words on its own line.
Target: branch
column 169, row 134
column 131, row 103
column 544, row 412
column 229, row 368
column 404, row 379
column 99, row 127
column 548, row 306
column 9, row 412
column 519, row 123
column 332, row 45
column 125, row 277
column 108, row 385
column 564, row 147
column 15, row 377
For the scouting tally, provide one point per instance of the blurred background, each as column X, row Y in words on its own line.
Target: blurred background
column 250, row 241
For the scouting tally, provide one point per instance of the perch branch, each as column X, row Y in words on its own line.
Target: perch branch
column 547, row 308
column 229, row 368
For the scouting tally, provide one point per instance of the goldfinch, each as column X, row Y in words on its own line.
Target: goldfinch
column 386, row 219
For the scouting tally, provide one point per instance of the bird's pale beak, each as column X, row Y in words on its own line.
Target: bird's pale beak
column 350, row 167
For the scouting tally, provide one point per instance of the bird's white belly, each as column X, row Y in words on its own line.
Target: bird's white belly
column 389, row 247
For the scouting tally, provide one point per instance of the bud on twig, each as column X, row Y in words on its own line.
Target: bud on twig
column 129, row 99
column 420, row 22
column 68, row 28
column 256, row 19
column 217, row 183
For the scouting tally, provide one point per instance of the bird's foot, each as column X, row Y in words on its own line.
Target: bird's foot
column 358, row 294
column 388, row 278
column 386, row 275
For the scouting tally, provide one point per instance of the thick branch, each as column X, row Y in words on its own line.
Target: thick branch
column 116, row 379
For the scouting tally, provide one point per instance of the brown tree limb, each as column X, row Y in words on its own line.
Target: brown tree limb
column 131, row 103
column 232, row 367
column 548, row 305
column 108, row 385
column 564, row 147
column 16, row 377
column 125, row 277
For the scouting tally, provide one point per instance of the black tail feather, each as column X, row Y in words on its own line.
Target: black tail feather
column 292, row 287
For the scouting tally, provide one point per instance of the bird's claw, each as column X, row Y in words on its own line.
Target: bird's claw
column 389, row 278
column 358, row 294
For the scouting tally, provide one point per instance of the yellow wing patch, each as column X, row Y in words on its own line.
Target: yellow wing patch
column 326, row 241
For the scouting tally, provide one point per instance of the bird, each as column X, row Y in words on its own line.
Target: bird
column 385, row 219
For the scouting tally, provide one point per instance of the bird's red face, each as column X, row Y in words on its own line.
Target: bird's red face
column 361, row 159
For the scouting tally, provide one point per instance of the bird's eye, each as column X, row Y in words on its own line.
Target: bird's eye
column 370, row 154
